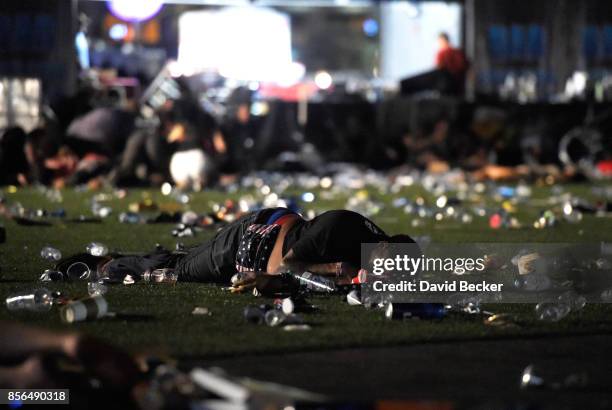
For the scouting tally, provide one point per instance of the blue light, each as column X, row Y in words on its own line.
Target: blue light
column 370, row 27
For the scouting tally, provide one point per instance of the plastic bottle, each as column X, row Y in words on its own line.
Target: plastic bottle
column 164, row 275
column 399, row 311
column 97, row 249
column 274, row 317
column 316, row 283
column 39, row 300
column 50, row 254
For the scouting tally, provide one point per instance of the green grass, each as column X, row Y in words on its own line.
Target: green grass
column 158, row 317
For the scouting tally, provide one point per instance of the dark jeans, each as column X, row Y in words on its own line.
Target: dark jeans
column 215, row 259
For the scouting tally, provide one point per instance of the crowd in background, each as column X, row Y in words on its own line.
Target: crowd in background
column 99, row 137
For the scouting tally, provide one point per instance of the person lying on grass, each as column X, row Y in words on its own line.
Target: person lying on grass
column 269, row 242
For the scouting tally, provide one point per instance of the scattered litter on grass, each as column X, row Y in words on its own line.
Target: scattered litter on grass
column 201, row 311
column 38, row 300
column 49, row 253
column 90, row 308
column 531, row 379
column 97, row 249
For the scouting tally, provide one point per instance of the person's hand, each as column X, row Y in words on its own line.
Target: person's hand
column 243, row 281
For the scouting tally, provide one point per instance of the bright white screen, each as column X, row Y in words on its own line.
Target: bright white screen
column 409, row 41
column 243, row 43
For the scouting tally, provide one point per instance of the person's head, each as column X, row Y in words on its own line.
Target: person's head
column 443, row 40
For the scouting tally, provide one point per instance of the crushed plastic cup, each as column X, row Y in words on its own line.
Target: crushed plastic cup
column 98, row 288
column 353, row 298
column 50, row 275
column 39, row 300
column 49, row 253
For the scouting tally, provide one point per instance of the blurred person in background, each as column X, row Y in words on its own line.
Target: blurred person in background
column 452, row 63
column 447, row 78
column 237, row 132
column 198, row 147
column 14, row 167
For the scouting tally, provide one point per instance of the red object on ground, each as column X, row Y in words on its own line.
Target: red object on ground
column 495, row 221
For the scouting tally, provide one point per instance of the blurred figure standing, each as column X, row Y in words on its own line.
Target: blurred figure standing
column 447, row 78
column 452, row 62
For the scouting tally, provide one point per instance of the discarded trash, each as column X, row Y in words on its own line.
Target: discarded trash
column 100, row 211
column 50, row 254
column 86, row 309
column 285, row 305
column 501, row 320
column 201, row 311
column 38, row 300
column 530, row 379
column 296, row 327
column 164, row 275
column 551, row 312
column 78, row 271
column 97, row 249
column 96, row 288
column 546, row 220
column 353, row 298
column 274, row 317
column 189, row 218
column 50, row 275
column 400, row 311
column 315, row 283
column 131, row 218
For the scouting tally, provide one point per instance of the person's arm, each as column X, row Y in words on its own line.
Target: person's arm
column 291, row 262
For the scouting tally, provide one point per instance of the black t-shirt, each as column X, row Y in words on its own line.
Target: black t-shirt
column 334, row 236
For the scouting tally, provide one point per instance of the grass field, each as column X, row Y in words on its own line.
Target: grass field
column 158, row 317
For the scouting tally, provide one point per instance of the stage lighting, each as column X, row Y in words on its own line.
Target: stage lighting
column 134, row 10
column 323, row 80
column 370, row 27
